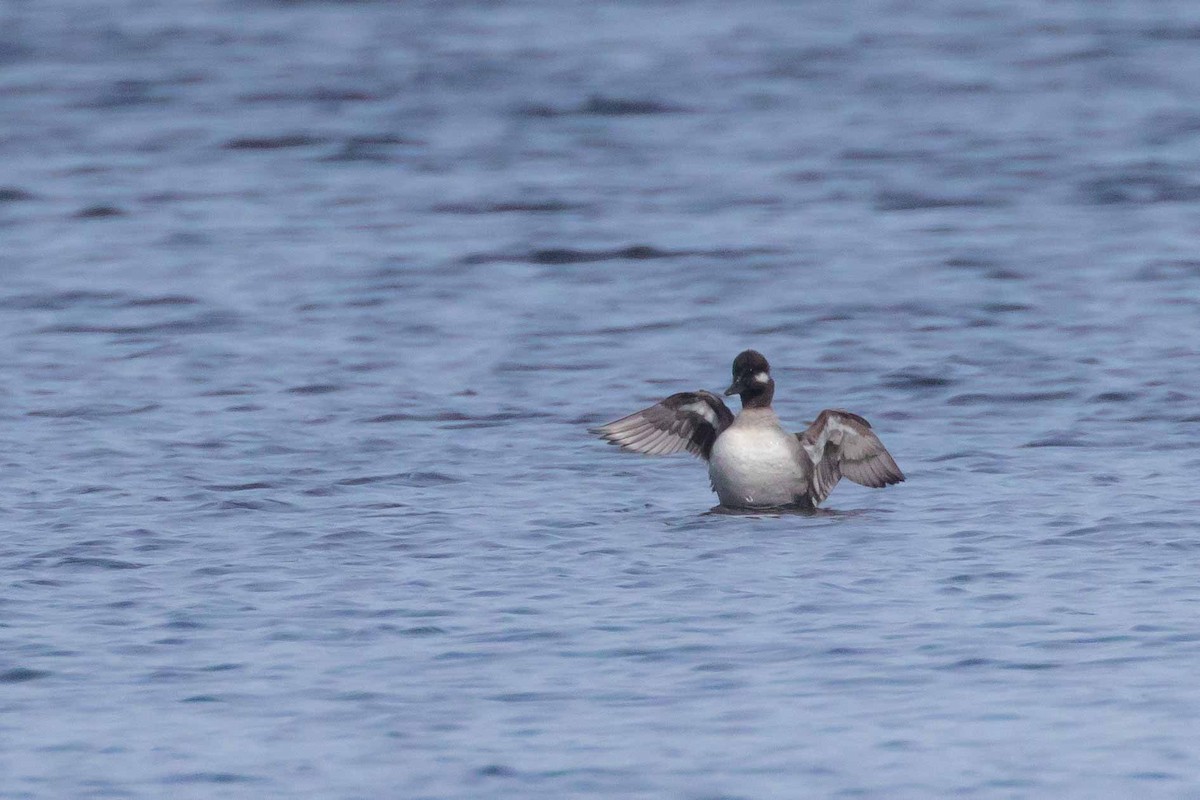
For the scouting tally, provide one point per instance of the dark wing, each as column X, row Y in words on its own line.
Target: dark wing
column 842, row 444
column 687, row 420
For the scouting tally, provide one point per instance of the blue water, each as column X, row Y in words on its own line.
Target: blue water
column 307, row 307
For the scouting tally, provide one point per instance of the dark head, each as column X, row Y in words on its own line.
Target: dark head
column 752, row 380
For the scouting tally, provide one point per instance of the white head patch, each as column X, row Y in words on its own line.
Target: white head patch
column 761, row 377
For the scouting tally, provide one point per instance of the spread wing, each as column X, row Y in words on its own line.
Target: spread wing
column 842, row 444
column 687, row 420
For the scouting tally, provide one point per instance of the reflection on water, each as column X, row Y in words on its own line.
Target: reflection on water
column 788, row 511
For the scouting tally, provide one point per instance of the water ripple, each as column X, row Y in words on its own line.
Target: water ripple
column 310, row 305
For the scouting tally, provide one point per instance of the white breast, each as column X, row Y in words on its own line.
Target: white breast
column 756, row 463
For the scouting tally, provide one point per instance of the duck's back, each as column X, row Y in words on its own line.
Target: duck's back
column 755, row 462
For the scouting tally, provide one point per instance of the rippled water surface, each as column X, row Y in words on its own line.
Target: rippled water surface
column 307, row 307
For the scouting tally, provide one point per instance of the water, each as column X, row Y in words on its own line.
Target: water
column 308, row 306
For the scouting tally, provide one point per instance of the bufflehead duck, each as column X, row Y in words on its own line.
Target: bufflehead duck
column 753, row 461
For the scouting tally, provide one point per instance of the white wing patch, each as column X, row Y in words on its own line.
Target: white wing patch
column 834, row 432
column 703, row 409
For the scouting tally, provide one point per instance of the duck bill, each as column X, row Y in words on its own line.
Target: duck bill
column 734, row 388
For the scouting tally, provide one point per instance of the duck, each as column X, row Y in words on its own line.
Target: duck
column 753, row 461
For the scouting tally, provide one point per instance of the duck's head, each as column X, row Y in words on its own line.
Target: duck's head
column 752, row 379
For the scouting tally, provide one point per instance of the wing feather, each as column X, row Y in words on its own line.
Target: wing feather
column 684, row 421
column 841, row 444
